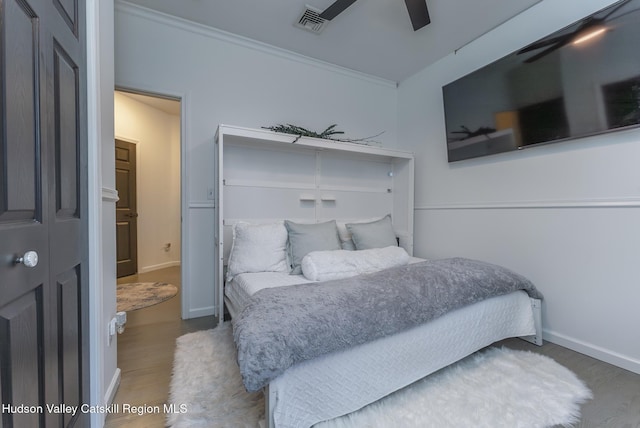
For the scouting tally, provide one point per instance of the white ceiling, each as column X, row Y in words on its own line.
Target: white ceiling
column 371, row 36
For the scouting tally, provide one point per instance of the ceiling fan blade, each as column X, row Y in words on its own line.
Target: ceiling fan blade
column 418, row 13
column 541, row 44
column 567, row 38
column 336, row 9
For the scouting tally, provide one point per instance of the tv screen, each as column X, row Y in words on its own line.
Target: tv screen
column 581, row 80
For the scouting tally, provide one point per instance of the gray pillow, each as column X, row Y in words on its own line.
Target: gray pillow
column 376, row 234
column 304, row 238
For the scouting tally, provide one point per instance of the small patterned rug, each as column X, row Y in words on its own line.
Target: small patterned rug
column 138, row 295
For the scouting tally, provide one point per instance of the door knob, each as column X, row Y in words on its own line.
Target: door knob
column 30, row 259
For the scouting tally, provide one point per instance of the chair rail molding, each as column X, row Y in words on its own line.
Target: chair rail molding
column 110, row 195
column 540, row 204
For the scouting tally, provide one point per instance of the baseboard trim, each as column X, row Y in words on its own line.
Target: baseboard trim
column 159, row 266
column 113, row 387
column 597, row 352
column 200, row 312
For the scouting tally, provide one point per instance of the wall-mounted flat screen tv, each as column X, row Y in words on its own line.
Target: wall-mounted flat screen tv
column 581, row 80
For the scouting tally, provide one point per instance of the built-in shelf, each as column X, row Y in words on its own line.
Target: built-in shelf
column 264, row 137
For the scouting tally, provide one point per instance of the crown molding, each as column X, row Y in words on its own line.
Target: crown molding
column 225, row 36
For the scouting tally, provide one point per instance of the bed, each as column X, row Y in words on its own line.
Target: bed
column 344, row 380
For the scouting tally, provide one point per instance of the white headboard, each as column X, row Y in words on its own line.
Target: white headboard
column 263, row 176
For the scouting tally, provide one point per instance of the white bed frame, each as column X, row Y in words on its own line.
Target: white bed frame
column 262, row 176
column 419, row 348
column 387, row 351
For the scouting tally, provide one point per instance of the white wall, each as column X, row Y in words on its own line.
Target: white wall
column 226, row 79
column 566, row 215
column 157, row 138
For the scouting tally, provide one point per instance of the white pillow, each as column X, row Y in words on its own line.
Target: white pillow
column 258, row 248
column 328, row 265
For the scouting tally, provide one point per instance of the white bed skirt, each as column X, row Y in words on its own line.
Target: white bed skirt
column 342, row 382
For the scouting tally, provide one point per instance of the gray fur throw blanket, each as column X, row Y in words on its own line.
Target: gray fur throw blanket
column 283, row 326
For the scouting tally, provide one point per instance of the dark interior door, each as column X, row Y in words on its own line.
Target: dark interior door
column 43, row 231
column 126, row 209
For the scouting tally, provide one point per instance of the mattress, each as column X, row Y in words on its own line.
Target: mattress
column 239, row 290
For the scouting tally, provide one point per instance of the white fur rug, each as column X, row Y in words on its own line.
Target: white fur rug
column 493, row 388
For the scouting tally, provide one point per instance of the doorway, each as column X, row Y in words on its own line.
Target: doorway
column 148, row 213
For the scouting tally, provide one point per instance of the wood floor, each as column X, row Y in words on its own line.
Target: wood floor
column 616, row 392
column 145, row 353
column 145, row 357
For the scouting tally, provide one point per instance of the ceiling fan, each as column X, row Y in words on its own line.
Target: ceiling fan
column 587, row 29
column 417, row 9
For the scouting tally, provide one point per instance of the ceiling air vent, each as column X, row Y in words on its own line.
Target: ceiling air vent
column 310, row 20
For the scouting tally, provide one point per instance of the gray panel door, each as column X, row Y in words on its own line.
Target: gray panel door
column 43, row 161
